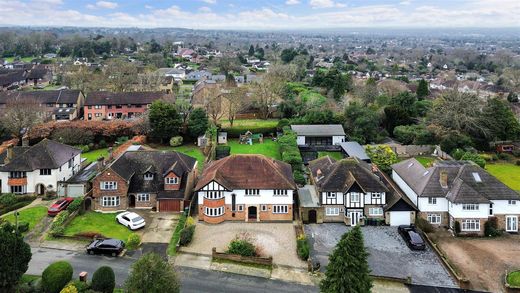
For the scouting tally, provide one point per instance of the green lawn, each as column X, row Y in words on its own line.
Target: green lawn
column 250, row 122
column 268, row 148
column 92, row 156
column 187, row 149
column 513, row 279
column 24, row 59
column 334, row 155
column 104, row 224
column 425, row 161
column 509, row 174
column 31, row 215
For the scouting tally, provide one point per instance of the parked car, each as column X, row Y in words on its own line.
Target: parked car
column 131, row 220
column 412, row 238
column 58, row 206
column 106, row 246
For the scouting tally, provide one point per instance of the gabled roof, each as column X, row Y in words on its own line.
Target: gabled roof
column 248, row 172
column 43, row 97
column 354, row 149
column 466, row 182
column 47, row 154
column 339, row 176
column 124, row 98
column 319, row 130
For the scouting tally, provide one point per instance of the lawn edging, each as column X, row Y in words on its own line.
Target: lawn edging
column 461, row 280
column 506, row 281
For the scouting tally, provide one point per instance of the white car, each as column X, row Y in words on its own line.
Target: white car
column 130, row 220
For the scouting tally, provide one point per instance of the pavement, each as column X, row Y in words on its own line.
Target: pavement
column 389, row 255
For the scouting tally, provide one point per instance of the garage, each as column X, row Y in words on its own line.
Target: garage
column 170, row 205
column 400, row 218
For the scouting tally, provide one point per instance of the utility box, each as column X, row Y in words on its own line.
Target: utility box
column 83, row 276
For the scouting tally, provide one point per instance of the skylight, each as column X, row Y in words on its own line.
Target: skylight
column 476, row 176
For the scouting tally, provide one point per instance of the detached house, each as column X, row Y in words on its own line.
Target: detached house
column 319, row 135
column 250, row 188
column 348, row 191
column 145, row 179
column 37, row 168
column 453, row 191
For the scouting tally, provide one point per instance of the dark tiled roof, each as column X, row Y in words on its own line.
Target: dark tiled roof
column 467, row 182
column 318, row 130
column 135, row 98
column 37, row 73
column 47, row 154
column 341, row 175
column 12, row 76
column 248, row 172
column 43, row 97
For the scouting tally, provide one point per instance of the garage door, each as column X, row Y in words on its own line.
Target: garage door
column 169, row 205
column 399, row 218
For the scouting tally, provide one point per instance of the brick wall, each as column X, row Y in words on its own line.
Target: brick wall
column 242, row 215
column 121, row 191
column 444, row 217
column 146, row 204
column 334, row 219
column 172, row 186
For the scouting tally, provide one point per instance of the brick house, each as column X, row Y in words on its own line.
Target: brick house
column 250, row 188
column 455, row 191
column 109, row 105
column 145, row 179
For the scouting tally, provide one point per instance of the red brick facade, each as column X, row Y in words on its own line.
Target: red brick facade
column 98, row 193
column 264, row 213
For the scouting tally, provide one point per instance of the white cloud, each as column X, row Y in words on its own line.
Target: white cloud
column 55, row 2
column 148, row 6
column 325, row 4
column 292, row 2
column 405, row 2
column 103, row 4
column 210, row 1
column 205, row 9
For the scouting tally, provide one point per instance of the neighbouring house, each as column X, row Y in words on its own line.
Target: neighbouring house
column 176, row 73
column 348, row 191
column 39, row 75
column 319, row 135
column 198, row 75
column 145, row 179
column 354, row 149
column 38, row 168
column 55, row 105
column 122, row 105
column 250, row 188
column 455, row 191
column 12, row 79
column 204, row 91
column 81, row 183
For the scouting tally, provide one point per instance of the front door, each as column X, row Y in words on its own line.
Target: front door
column 354, row 218
column 251, row 213
column 511, row 224
column 312, row 217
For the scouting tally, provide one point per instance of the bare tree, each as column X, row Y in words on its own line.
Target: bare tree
column 121, row 75
column 268, row 91
column 236, row 100
column 150, row 81
column 213, row 105
column 512, row 78
column 20, row 115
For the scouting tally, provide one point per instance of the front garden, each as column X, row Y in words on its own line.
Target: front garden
column 93, row 223
column 28, row 218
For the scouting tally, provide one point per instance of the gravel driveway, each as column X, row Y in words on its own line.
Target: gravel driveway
column 389, row 255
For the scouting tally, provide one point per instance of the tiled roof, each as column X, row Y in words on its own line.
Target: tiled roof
column 124, row 98
column 319, row 130
column 43, row 97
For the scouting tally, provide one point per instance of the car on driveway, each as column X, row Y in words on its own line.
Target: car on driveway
column 58, row 206
column 131, row 220
column 412, row 238
column 108, row 246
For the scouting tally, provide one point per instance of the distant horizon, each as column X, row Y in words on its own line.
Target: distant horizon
column 262, row 15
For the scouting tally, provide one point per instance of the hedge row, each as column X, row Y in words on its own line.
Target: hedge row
column 58, row 224
column 236, row 130
column 291, row 154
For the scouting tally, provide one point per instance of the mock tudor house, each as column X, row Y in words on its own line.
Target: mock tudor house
column 348, row 191
column 250, row 188
column 38, row 168
column 455, row 191
column 319, row 135
column 145, row 179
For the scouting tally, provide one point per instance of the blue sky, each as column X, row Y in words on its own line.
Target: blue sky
column 262, row 14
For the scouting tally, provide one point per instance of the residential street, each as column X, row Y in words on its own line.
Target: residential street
column 190, row 277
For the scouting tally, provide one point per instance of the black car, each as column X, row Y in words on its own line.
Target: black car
column 412, row 238
column 106, row 246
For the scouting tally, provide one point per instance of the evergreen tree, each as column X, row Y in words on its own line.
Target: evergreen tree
column 152, row 274
column 165, row 121
column 422, row 89
column 197, row 123
column 251, row 50
column 15, row 255
column 348, row 269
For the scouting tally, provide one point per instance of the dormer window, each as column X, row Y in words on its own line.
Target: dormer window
column 148, row 176
column 171, row 180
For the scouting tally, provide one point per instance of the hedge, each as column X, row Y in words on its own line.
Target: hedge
column 56, row 276
column 302, row 247
column 104, row 280
column 187, row 235
column 57, row 228
column 75, row 205
column 133, row 241
column 237, row 130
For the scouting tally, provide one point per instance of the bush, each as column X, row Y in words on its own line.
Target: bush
column 242, row 245
column 103, row 144
column 83, row 148
column 491, row 228
column 122, row 140
column 72, row 136
column 8, row 199
column 176, row 141
column 190, row 221
column 283, row 123
column 299, row 178
column 70, row 288
column 57, row 228
column 186, row 235
column 517, row 162
column 504, row 156
column 424, row 225
column 104, row 280
column 56, row 276
column 133, row 241
column 80, row 285
column 49, row 195
column 23, row 227
column 457, row 154
column 75, row 205
column 474, row 157
column 302, row 247
column 516, row 153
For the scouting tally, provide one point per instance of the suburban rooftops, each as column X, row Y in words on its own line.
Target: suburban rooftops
column 43, row 97
column 319, row 130
column 124, row 98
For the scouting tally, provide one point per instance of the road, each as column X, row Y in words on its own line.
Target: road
column 192, row 280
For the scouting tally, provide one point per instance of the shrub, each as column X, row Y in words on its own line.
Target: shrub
column 133, row 241
column 282, row 123
column 79, row 285
column 516, row 153
column 242, row 245
column 457, row 154
column 57, row 228
column 122, row 139
column 56, row 276
column 491, row 228
column 424, row 225
column 83, row 148
column 517, row 162
column 190, row 221
column 186, row 235
column 23, row 227
column 49, row 195
column 70, row 288
column 8, row 199
column 299, row 178
column 504, row 156
column 75, row 205
column 72, row 136
column 487, row 157
column 176, row 141
column 103, row 280
column 103, row 144
column 302, row 247
column 474, row 157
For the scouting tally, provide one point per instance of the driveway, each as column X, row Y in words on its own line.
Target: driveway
column 159, row 226
column 273, row 239
column 389, row 255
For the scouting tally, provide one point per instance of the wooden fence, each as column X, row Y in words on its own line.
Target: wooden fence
column 268, row 261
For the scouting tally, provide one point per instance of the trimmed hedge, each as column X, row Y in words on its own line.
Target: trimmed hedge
column 56, row 276
column 302, row 247
column 187, row 235
column 104, row 280
column 57, row 228
column 75, row 205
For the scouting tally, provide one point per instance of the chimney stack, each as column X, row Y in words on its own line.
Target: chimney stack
column 25, row 140
column 10, row 154
column 443, row 178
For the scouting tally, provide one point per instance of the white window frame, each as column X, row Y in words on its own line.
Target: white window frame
column 331, row 194
column 252, row 191
column 108, row 185
column 171, row 180
column 110, row 201
column 263, row 208
column 214, row 194
column 371, row 211
column 376, row 195
column 143, row 197
column 280, row 209
column 331, row 211
column 470, row 225
column 148, row 176
column 214, row 212
column 434, row 218
column 470, row 207
column 43, row 172
column 358, row 197
column 432, row 201
column 280, row 192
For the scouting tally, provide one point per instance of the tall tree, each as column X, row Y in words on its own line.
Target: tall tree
column 269, row 90
column 165, row 121
column 152, row 274
column 15, row 255
column 236, row 100
column 348, row 270
column 382, row 156
column 197, row 122
column 251, row 51
column 422, row 89
column 362, row 123
column 21, row 115
column 500, row 121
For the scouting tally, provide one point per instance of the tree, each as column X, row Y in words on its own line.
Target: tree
column 348, row 269
column 288, row 55
column 197, row 123
column 104, row 280
column 236, row 100
column 500, row 121
column 269, row 90
column 152, row 274
column 395, row 116
column 20, row 115
column 422, row 89
column 251, row 51
column 382, row 156
column 165, row 121
column 15, row 255
column 362, row 123
column 56, row 276
column 474, row 157
column 121, row 75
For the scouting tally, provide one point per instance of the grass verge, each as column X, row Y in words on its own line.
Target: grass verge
column 172, row 247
